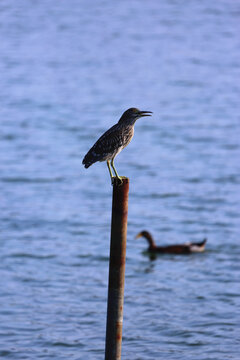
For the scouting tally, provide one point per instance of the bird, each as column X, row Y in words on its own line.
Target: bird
column 114, row 140
column 186, row 248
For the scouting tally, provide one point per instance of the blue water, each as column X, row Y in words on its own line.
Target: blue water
column 68, row 71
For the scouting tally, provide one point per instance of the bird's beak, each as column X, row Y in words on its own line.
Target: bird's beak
column 138, row 235
column 145, row 113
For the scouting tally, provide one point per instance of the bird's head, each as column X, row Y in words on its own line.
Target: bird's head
column 143, row 233
column 131, row 115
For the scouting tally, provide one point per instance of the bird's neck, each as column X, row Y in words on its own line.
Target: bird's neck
column 150, row 240
column 126, row 122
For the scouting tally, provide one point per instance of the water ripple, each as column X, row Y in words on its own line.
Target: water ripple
column 68, row 71
column 32, row 256
column 31, row 180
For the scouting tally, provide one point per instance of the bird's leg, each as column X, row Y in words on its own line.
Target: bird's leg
column 110, row 171
column 114, row 169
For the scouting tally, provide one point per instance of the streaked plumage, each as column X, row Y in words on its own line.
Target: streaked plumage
column 114, row 140
column 186, row 248
column 109, row 144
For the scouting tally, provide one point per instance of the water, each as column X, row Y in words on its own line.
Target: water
column 68, row 71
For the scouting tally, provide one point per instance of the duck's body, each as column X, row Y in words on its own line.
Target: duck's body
column 186, row 248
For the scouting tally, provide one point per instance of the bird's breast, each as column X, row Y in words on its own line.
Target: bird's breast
column 127, row 136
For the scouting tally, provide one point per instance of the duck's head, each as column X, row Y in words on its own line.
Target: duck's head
column 143, row 233
column 148, row 237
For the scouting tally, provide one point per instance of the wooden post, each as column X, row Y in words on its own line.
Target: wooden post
column 117, row 270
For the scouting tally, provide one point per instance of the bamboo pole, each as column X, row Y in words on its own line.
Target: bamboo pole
column 117, row 270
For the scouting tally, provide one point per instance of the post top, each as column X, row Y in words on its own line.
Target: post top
column 116, row 181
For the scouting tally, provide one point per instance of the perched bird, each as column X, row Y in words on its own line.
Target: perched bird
column 114, row 140
column 186, row 248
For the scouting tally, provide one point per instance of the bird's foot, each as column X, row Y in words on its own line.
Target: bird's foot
column 117, row 180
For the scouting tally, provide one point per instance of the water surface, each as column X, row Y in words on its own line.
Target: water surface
column 68, row 71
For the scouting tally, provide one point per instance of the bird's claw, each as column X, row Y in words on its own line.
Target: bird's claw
column 121, row 181
column 118, row 180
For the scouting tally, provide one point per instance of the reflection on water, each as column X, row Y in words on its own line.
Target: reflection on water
column 68, row 71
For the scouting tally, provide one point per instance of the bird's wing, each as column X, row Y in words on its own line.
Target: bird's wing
column 110, row 139
column 105, row 145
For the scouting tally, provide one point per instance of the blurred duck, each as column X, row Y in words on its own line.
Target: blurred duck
column 186, row 248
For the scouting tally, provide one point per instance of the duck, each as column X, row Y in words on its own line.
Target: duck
column 186, row 248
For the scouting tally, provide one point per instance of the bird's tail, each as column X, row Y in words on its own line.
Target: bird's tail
column 87, row 161
column 199, row 246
